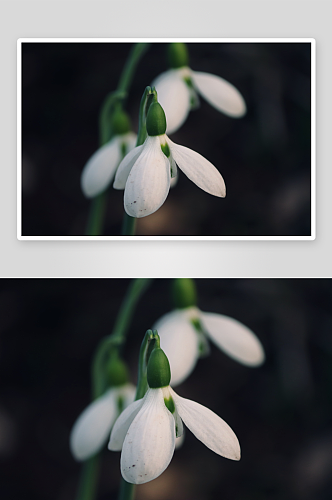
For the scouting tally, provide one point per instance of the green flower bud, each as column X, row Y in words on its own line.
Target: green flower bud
column 117, row 372
column 177, row 54
column 184, row 293
column 120, row 122
column 158, row 370
column 156, row 120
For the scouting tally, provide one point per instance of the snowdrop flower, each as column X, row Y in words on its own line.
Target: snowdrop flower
column 178, row 90
column 145, row 173
column 146, row 431
column 92, row 428
column 184, row 334
column 100, row 169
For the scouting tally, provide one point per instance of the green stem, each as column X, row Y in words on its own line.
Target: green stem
column 105, row 127
column 128, row 225
column 136, row 289
column 88, row 479
column 117, row 338
column 90, row 470
column 149, row 95
column 127, row 490
column 137, row 51
column 97, row 208
column 96, row 215
column 150, row 341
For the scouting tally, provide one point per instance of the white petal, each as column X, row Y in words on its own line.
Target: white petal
column 198, row 169
column 149, row 445
column 92, row 428
column 179, row 341
column 174, row 97
column 234, row 338
column 149, row 180
column 125, row 167
column 122, row 425
column 101, row 167
column 208, row 427
column 220, row 93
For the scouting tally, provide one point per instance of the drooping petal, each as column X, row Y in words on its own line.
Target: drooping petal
column 93, row 426
column 100, row 168
column 179, row 341
column 198, row 169
column 148, row 183
column 174, row 97
column 125, row 167
column 234, row 338
column 122, row 425
column 149, row 444
column 208, row 427
column 220, row 93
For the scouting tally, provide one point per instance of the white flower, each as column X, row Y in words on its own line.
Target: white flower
column 92, row 428
column 177, row 91
column 145, row 174
column 146, row 432
column 101, row 167
column 183, row 342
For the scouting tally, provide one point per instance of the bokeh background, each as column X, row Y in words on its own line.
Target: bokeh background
column 281, row 411
column 263, row 157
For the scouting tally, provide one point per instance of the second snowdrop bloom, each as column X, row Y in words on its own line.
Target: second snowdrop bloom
column 92, row 428
column 178, row 90
column 184, row 335
column 145, row 173
column 146, row 431
column 100, row 169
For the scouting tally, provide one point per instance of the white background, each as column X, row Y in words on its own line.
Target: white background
column 75, row 18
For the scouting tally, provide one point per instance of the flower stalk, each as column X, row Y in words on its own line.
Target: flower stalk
column 114, row 342
column 88, row 480
column 112, row 101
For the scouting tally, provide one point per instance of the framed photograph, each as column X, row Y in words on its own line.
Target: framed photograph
column 166, row 139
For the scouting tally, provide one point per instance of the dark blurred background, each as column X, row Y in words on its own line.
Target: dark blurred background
column 281, row 411
column 263, row 157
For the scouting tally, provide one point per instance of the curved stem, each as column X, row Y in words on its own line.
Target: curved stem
column 110, row 103
column 90, row 470
column 117, row 338
column 98, row 206
column 137, row 51
column 150, row 341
